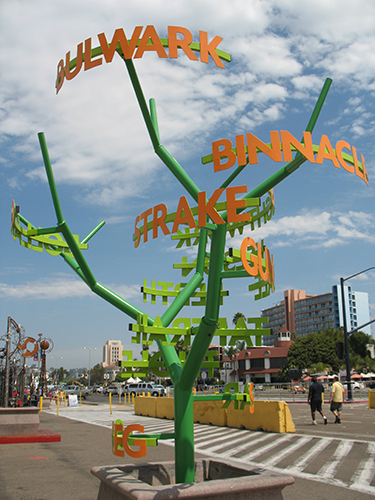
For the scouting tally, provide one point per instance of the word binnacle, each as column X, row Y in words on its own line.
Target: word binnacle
column 136, row 46
column 224, row 156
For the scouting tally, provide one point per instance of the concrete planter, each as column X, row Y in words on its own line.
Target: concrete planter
column 19, row 421
column 214, row 479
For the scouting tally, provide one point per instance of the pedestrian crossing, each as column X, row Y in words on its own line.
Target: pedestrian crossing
column 340, row 462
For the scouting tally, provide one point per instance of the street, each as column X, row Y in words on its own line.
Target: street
column 332, row 461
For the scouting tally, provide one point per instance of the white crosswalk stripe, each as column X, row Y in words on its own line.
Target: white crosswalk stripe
column 265, row 450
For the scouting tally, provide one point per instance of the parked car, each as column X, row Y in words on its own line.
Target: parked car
column 113, row 389
column 354, row 385
column 371, row 385
column 298, row 389
column 145, row 387
column 76, row 389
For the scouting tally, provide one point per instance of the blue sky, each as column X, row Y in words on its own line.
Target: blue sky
column 105, row 167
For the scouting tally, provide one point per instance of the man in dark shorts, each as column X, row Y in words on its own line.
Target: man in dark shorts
column 315, row 399
column 337, row 398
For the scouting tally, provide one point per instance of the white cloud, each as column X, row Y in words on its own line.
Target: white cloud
column 57, row 288
column 315, row 229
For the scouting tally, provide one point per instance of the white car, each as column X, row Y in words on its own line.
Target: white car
column 356, row 386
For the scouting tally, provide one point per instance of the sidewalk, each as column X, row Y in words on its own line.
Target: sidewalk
column 61, row 471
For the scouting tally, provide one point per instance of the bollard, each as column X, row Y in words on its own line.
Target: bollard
column 80, row 398
column 110, row 403
column 40, row 404
column 58, row 403
column 133, row 399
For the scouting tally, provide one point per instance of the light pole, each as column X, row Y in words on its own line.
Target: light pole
column 88, row 348
column 346, row 335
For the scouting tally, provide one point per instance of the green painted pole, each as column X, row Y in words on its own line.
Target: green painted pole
column 183, row 404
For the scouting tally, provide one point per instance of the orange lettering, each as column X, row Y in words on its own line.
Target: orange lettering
column 233, row 205
column 142, row 452
column 119, row 38
column 70, row 75
column 326, row 152
column 187, row 218
column 60, row 76
column 209, row 48
column 144, row 216
column 254, row 144
column 89, row 63
column 241, row 151
column 339, row 147
column 252, row 270
column 208, row 209
column 156, row 45
column 226, row 152
column 137, row 231
column 116, row 439
column 175, row 43
column 159, row 221
column 361, row 175
column 305, row 149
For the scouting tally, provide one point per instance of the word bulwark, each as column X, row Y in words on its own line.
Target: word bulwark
column 136, row 46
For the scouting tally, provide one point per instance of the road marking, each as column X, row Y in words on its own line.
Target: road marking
column 264, row 449
column 303, row 461
column 330, row 468
column 216, row 447
column 286, row 451
column 231, row 453
column 365, row 472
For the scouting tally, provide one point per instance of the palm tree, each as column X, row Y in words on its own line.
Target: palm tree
column 237, row 316
column 230, row 351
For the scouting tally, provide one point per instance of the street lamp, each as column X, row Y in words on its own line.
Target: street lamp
column 346, row 334
column 89, row 349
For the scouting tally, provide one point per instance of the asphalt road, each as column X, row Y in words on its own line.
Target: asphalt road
column 332, row 461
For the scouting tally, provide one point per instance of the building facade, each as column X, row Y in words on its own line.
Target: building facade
column 356, row 306
column 303, row 314
column 112, row 352
column 259, row 364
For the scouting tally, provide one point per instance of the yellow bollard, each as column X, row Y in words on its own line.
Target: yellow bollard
column 40, row 404
column 133, row 399
column 80, row 398
column 148, row 394
column 58, row 405
column 110, row 403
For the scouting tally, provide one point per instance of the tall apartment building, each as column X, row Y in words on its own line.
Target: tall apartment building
column 112, row 352
column 357, row 308
column 303, row 314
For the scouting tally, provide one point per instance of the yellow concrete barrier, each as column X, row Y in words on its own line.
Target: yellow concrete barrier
column 210, row 412
column 371, row 399
column 145, row 406
column 269, row 416
column 165, row 408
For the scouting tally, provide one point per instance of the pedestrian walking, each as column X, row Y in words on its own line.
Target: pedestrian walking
column 315, row 399
column 336, row 399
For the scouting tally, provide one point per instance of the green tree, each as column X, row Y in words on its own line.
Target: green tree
column 315, row 348
column 358, row 344
column 237, row 316
column 97, row 375
column 230, row 351
column 59, row 375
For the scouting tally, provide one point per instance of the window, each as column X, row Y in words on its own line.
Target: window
column 257, row 363
column 277, row 362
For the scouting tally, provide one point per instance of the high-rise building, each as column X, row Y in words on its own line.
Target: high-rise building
column 303, row 314
column 357, row 309
column 112, row 352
